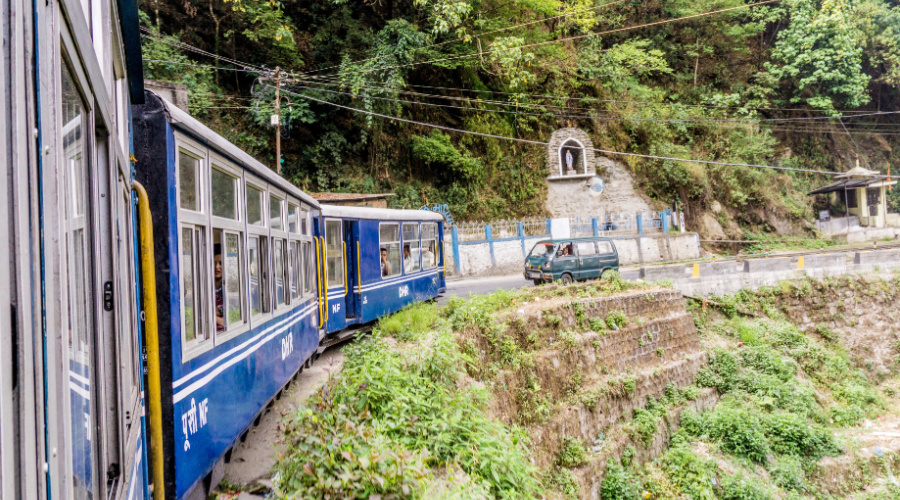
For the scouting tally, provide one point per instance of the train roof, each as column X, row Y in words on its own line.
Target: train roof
column 193, row 126
column 379, row 213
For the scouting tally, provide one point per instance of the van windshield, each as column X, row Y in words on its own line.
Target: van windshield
column 543, row 250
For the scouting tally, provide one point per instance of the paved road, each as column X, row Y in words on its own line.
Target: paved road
column 478, row 286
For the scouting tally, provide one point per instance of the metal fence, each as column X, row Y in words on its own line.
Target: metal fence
column 605, row 225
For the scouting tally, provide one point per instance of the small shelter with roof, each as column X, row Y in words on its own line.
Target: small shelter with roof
column 864, row 193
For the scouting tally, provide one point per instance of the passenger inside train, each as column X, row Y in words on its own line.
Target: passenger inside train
column 220, row 298
column 385, row 265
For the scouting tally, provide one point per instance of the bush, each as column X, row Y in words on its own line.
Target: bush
column 619, row 484
column 390, row 406
column 787, row 473
column 740, row 488
column 571, row 453
column 616, row 320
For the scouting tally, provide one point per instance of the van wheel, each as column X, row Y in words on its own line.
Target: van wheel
column 567, row 279
column 537, row 282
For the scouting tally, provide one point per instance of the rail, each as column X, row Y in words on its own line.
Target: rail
column 151, row 328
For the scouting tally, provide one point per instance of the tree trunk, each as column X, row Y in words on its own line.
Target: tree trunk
column 697, row 63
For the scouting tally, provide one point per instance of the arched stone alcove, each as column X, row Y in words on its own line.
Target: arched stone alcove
column 566, row 143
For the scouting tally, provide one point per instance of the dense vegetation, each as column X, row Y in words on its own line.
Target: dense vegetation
column 793, row 58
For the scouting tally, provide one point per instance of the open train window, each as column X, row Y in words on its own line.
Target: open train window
column 280, row 272
column 334, row 253
column 196, row 257
column 296, row 266
column 411, row 258
column 258, row 256
column 309, row 269
column 429, row 245
column 389, row 249
column 228, row 265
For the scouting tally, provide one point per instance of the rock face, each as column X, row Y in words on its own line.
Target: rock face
column 578, row 197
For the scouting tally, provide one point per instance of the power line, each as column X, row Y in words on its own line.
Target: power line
column 595, row 99
column 540, row 143
column 465, row 38
column 147, row 32
column 200, row 66
column 556, row 115
column 576, row 37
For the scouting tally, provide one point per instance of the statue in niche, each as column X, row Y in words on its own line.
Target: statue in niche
column 569, row 161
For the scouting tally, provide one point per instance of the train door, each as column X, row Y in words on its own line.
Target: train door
column 351, row 243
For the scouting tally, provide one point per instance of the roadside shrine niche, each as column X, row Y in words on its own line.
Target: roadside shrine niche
column 570, row 155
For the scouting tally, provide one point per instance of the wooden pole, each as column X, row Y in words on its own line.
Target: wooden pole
column 278, row 125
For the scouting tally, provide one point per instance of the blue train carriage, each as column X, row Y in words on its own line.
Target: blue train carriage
column 236, row 283
column 377, row 261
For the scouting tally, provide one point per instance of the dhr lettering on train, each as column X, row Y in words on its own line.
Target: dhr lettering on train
column 404, row 291
column 287, row 346
column 191, row 422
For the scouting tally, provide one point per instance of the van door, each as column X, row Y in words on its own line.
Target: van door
column 607, row 258
column 566, row 261
column 588, row 260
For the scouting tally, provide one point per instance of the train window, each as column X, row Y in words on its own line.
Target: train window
column 229, row 298
column 304, row 222
column 254, row 206
column 389, row 248
column 188, row 181
column 224, row 191
column 334, row 252
column 429, row 246
column 293, row 215
column 76, row 227
column 411, row 256
column 234, row 310
column 193, row 248
column 309, row 271
column 278, row 258
column 257, row 252
column 296, row 266
column 275, row 213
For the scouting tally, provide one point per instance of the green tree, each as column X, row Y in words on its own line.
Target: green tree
column 819, row 54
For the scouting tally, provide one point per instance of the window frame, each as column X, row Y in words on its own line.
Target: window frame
column 260, row 231
column 283, row 235
column 231, row 226
column 190, row 218
column 436, row 240
column 418, row 242
column 399, row 242
column 340, row 256
column 298, row 237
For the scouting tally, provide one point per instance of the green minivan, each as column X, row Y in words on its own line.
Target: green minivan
column 571, row 260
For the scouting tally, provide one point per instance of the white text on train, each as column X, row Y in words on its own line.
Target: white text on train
column 287, row 346
column 404, row 291
column 194, row 420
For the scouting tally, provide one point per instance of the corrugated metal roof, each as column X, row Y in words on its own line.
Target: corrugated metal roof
column 852, row 184
column 349, row 196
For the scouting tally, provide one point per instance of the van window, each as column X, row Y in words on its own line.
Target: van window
column 605, row 247
column 586, row 248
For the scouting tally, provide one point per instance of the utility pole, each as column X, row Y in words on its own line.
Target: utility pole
column 278, row 119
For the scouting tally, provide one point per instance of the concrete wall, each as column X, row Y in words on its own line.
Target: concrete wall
column 708, row 278
column 508, row 257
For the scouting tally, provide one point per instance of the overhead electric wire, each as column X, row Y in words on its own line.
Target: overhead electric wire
column 202, row 66
column 147, row 32
column 559, row 40
column 541, row 143
column 465, row 38
column 556, row 115
column 597, row 99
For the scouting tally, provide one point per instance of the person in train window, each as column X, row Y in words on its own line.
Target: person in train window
column 220, row 296
column 385, row 265
column 428, row 256
column 408, row 264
